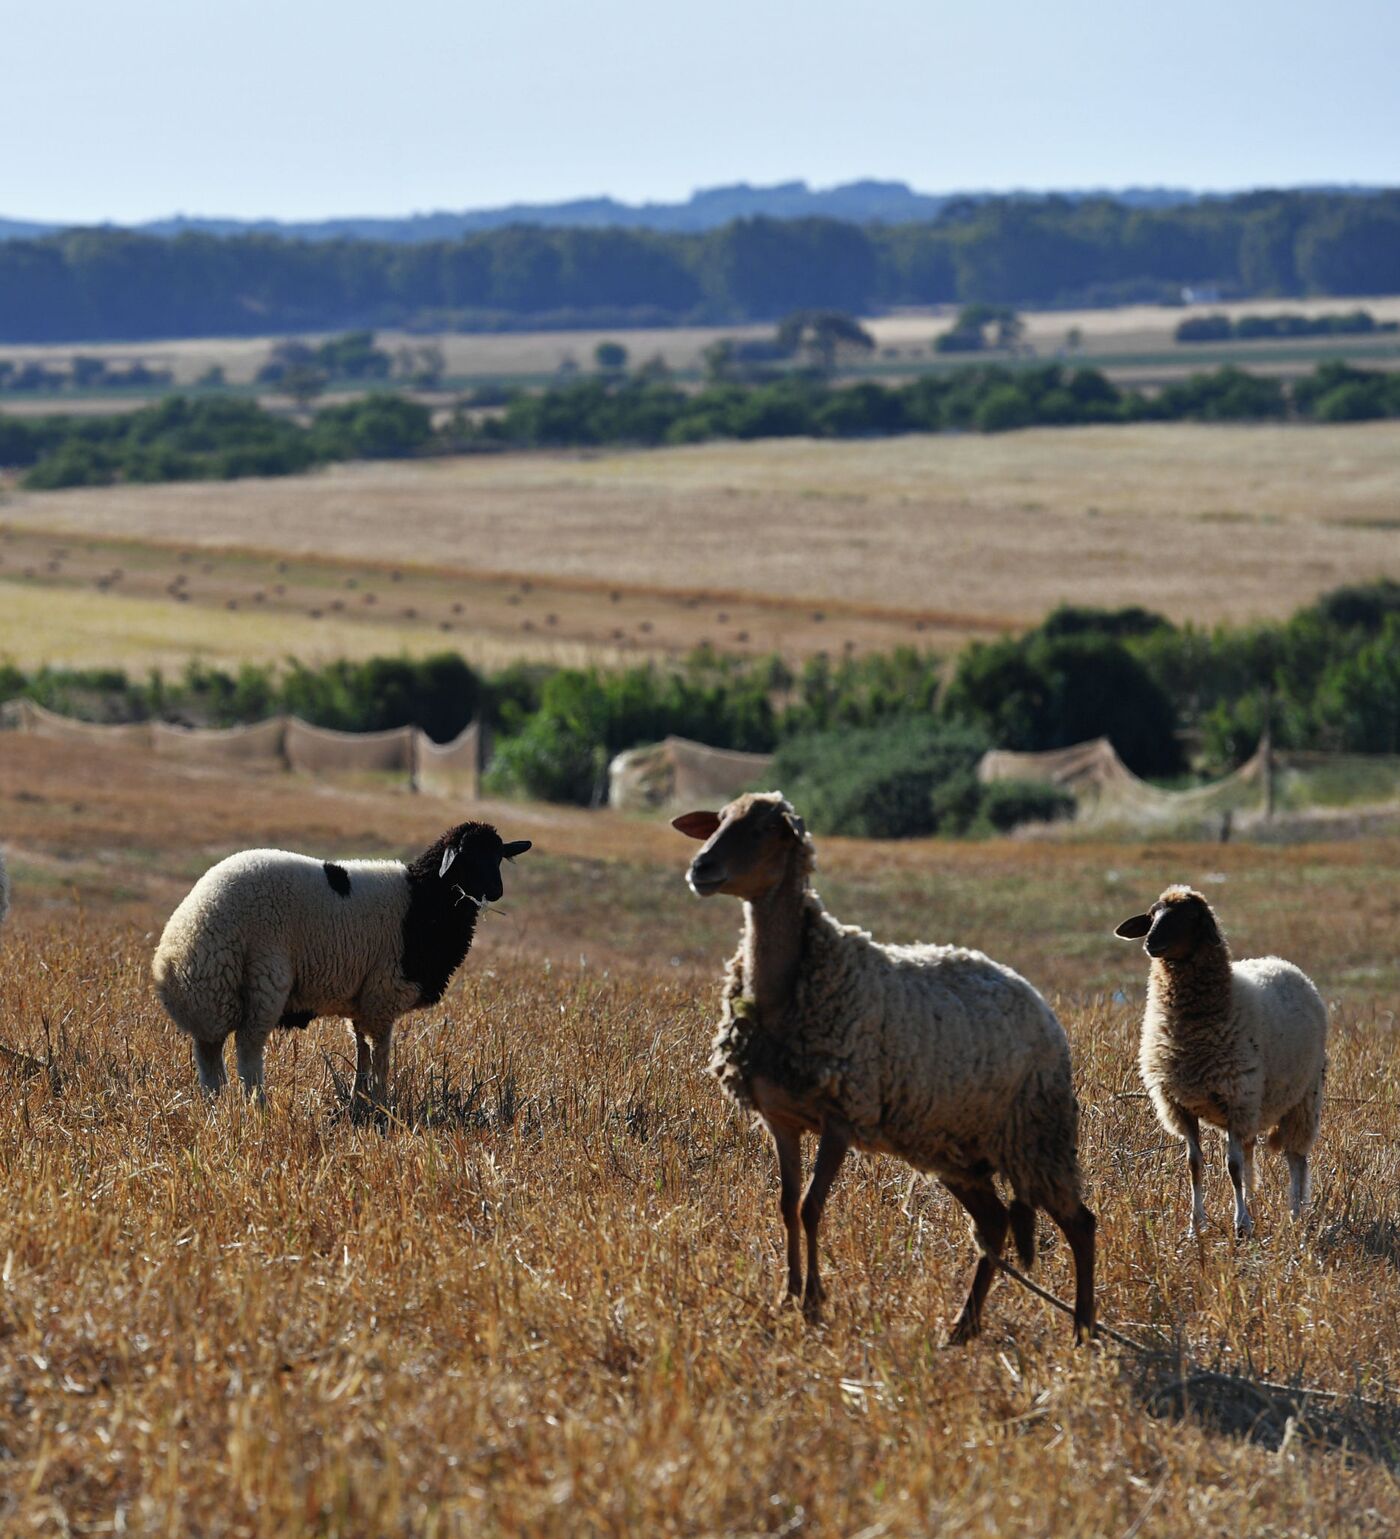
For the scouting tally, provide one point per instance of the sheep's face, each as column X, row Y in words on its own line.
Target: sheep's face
column 749, row 846
column 468, row 859
column 1175, row 927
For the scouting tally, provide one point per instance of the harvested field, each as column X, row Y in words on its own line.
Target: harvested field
column 543, row 1302
column 1121, row 340
column 926, row 539
column 144, row 604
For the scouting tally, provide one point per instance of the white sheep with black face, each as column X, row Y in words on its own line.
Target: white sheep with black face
column 1241, row 1046
column 268, row 938
column 936, row 1054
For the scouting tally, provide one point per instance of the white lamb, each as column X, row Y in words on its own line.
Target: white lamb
column 1241, row 1046
column 267, row 938
column 933, row 1053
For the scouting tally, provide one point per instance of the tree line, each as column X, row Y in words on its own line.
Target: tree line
column 110, row 284
column 884, row 744
column 221, row 438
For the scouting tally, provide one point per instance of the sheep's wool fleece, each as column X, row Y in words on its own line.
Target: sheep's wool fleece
column 1251, row 1064
column 263, row 932
column 934, row 1053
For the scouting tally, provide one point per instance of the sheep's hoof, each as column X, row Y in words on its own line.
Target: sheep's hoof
column 965, row 1329
column 812, row 1302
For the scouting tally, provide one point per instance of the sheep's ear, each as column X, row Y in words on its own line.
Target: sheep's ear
column 1210, row 929
column 514, row 848
column 696, row 825
column 1135, row 928
column 448, row 856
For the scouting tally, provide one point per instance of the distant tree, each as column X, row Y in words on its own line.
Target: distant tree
column 431, row 367
column 969, row 333
column 655, row 370
column 1074, row 339
column 353, row 355
column 87, row 372
column 303, row 382
column 718, row 359
column 213, row 378
column 1009, row 329
column 817, row 335
column 283, row 357
column 611, row 357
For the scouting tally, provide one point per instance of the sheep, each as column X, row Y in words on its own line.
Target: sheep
column 936, row 1054
column 268, row 938
column 1238, row 1045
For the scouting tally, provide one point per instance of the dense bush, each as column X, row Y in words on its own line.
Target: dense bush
column 886, row 782
column 1045, row 691
column 1251, row 328
column 1007, row 804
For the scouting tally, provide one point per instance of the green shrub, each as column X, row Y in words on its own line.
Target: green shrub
column 1005, row 804
column 881, row 782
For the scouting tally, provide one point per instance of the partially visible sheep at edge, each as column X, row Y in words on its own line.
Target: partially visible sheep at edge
column 1241, row 1046
column 936, row 1054
column 268, row 938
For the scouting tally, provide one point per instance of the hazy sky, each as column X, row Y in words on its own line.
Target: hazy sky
column 310, row 108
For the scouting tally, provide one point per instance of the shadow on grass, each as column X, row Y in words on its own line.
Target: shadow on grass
column 1377, row 1237
column 435, row 1098
column 1269, row 1415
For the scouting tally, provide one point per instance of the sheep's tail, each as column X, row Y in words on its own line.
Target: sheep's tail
column 1023, row 1231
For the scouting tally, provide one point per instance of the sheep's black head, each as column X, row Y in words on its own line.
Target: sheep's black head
column 1177, row 925
column 749, row 845
column 468, row 858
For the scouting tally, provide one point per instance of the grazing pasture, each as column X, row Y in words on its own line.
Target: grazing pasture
column 788, row 545
column 545, row 1300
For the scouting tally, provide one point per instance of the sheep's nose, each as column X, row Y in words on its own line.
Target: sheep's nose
column 705, row 873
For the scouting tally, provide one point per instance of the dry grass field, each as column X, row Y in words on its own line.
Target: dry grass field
column 149, row 604
column 789, row 545
column 544, row 1300
column 1120, row 340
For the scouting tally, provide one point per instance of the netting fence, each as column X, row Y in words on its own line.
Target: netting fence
column 284, row 743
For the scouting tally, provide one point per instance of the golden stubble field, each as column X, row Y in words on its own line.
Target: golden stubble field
column 1107, row 337
column 788, row 545
column 544, row 1300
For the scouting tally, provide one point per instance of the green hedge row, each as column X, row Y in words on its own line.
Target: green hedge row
column 220, row 438
column 875, row 744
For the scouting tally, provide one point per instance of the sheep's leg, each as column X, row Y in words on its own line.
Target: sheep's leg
column 1195, row 1163
column 830, row 1153
column 787, row 1141
column 371, row 1093
column 1249, row 1145
column 249, row 1049
column 1298, row 1183
column 1080, row 1227
column 359, row 1096
column 990, row 1221
column 379, row 1068
column 209, row 1059
column 1235, row 1164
